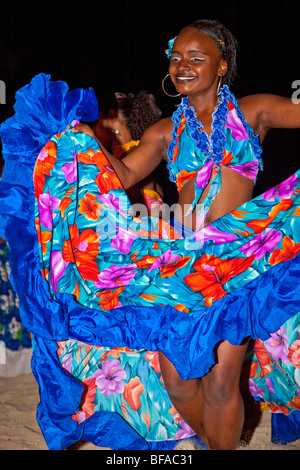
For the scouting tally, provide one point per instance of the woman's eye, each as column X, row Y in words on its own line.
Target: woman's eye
column 197, row 59
column 175, row 59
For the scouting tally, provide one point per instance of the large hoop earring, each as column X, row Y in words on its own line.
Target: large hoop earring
column 219, row 84
column 163, row 87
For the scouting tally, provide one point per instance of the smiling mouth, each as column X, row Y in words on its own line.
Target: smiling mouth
column 183, row 79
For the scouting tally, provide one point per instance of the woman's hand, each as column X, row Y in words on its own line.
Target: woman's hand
column 84, row 129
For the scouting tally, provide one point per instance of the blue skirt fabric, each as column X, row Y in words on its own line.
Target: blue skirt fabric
column 257, row 306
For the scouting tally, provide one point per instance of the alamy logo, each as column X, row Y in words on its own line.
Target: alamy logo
column 296, row 94
column 2, row 92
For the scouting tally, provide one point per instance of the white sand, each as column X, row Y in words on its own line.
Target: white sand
column 19, row 429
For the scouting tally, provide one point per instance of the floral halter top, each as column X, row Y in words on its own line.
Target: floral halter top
column 192, row 153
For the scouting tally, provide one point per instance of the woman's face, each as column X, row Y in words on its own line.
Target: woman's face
column 196, row 62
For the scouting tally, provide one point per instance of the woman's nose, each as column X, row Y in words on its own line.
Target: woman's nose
column 184, row 65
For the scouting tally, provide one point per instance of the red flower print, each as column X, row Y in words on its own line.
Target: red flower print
column 263, row 358
column 259, row 225
column 43, row 236
column 294, row 353
column 152, row 357
column 213, row 273
column 288, row 251
column 227, row 157
column 147, row 419
column 279, row 409
column 44, row 164
column 295, row 403
column 109, row 299
column 183, row 177
column 89, row 206
column 106, row 179
column 170, row 269
column 87, row 405
column 64, row 204
column 132, row 392
column 83, row 250
column 181, row 127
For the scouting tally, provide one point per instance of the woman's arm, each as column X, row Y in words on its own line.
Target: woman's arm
column 265, row 112
column 141, row 161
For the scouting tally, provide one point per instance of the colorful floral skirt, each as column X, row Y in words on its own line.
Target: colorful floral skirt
column 108, row 287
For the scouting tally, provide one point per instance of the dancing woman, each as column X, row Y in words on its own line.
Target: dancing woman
column 217, row 181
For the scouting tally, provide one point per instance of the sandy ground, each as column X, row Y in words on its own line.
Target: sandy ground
column 19, row 429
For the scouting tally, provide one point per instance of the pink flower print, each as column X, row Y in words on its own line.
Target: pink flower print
column 235, row 124
column 277, row 345
column 211, row 233
column 67, row 363
column 294, row 354
column 70, row 170
column 259, row 245
column 43, row 154
column 109, row 378
column 123, row 241
column 116, row 276
column 47, row 204
column 249, row 169
column 283, row 190
column 255, row 390
column 204, row 174
column 185, row 431
column 269, row 384
column 58, row 267
column 110, row 200
column 163, row 260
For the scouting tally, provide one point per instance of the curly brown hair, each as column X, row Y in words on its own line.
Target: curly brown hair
column 139, row 110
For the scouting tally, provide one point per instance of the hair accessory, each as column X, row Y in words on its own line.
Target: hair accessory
column 221, row 42
column 163, row 87
column 170, row 47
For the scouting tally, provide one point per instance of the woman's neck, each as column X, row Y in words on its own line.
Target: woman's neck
column 204, row 102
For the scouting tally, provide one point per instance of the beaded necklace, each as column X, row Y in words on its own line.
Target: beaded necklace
column 211, row 146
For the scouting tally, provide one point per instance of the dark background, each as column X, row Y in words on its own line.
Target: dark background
column 118, row 45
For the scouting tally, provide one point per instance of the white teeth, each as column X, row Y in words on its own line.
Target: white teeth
column 185, row 78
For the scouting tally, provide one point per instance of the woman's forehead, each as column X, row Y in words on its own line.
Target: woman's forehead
column 194, row 38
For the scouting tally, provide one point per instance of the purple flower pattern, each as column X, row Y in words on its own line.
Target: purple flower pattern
column 163, row 260
column 277, row 345
column 116, row 276
column 262, row 243
column 47, row 204
column 236, row 126
column 284, row 190
column 109, row 379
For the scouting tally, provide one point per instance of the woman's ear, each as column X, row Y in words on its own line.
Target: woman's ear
column 223, row 68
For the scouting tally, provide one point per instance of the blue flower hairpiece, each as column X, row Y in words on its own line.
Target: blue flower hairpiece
column 170, row 47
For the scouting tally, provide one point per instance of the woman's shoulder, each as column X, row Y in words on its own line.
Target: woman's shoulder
column 252, row 107
column 266, row 111
column 161, row 129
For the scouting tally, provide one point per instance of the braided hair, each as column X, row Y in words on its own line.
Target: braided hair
column 226, row 42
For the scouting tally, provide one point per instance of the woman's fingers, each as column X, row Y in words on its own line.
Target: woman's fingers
column 83, row 128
